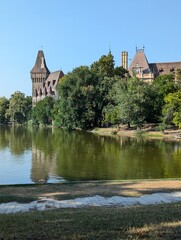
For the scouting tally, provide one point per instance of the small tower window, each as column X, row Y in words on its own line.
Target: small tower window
column 172, row 70
column 161, row 70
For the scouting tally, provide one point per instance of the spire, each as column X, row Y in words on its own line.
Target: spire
column 40, row 64
column 109, row 47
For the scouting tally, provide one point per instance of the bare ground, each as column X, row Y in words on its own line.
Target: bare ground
column 83, row 189
column 149, row 130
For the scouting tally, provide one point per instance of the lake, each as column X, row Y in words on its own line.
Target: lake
column 39, row 155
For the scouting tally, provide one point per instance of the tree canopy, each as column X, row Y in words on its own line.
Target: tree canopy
column 100, row 95
column 4, row 104
column 42, row 112
column 19, row 108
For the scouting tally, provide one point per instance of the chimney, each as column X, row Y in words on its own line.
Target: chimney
column 125, row 60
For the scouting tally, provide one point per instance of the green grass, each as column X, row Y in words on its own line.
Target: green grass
column 143, row 222
column 14, row 198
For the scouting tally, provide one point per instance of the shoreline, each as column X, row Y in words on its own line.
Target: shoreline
column 148, row 131
column 70, row 190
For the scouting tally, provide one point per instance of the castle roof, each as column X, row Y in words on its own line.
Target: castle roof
column 53, row 79
column 40, row 64
column 165, row 67
column 139, row 61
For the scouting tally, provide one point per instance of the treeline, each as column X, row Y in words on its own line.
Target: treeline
column 16, row 110
column 101, row 95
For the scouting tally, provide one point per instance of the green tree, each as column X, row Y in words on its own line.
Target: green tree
column 104, row 67
column 107, row 76
column 77, row 92
column 172, row 109
column 19, row 108
column 4, row 104
column 178, row 76
column 42, row 112
column 162, row 86
column 129, row 105
column 85, row 92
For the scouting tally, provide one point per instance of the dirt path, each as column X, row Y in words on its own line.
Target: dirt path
column 87, row 189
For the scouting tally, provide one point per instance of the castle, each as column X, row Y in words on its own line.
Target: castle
column 44, row 83
column 148, row 71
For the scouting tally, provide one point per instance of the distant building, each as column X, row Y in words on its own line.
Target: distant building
column 148, row 71
column 43, row 82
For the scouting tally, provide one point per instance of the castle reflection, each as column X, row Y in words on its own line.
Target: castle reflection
column 56, row 154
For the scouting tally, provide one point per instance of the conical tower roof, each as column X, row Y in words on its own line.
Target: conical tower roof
column 40, row 64
column 140, row 61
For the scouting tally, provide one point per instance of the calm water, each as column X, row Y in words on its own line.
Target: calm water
column 52, row 155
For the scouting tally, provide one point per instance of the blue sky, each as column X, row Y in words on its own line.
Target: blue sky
column 78, row 32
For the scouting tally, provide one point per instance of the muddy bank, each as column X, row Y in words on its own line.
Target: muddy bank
column 149, row 130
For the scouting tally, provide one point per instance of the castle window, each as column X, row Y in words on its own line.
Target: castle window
column 40, row 92
column 54, row 81
column 161, row 70
column 172, row 70
column 48, row 83
column 45, row 91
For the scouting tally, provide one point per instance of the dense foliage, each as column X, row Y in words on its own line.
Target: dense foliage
column 85, row 92
column 100, row 95
column 16, row 110
column 4, row 103
column 42, row 112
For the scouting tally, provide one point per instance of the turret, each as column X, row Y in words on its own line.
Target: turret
column 39, row 74
column 124, row 60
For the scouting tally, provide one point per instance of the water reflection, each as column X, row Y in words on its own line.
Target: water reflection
column 58, row 154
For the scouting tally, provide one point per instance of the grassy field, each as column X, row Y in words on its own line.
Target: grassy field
column 143, row 222
column 137, row 222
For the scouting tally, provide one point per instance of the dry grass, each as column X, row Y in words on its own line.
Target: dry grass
column 158, row 222
column 144, row 222
column 22, row 193
column 149, row 130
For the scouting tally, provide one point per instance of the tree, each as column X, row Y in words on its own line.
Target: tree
column 129, row 104
column 42, row 112
column 19, row 108
column 107, row 76
column 165, row 84
column 85, row 92
column 77, row 92
column 4, row 104
column 162, row 86
column 104, row 67
column 172, row 109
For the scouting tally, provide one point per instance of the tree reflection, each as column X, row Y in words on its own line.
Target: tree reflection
column 18, row 139
column 79, row 155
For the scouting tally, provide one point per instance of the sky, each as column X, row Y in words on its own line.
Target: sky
column 78, row 32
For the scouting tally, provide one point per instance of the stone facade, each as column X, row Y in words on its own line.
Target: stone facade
column 43, row 82
column 149, row 71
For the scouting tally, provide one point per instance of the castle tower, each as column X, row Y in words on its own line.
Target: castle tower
column 39, row 74
column 124, row 60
